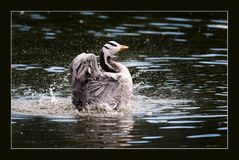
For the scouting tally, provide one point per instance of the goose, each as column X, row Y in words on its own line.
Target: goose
column 109, row 84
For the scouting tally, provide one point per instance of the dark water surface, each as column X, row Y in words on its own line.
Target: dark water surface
column 178, row 62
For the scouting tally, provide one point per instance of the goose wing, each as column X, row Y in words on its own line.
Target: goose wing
column 103, row 90
column 89, row 84
column 84, row 66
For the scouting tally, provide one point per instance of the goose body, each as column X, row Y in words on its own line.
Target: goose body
column 111, row 84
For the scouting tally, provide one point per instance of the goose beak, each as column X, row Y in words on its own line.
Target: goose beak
column 123, row 48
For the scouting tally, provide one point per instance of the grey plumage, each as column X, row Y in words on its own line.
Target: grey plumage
column 92, row 85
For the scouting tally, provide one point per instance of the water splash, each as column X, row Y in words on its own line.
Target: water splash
column 52, row 104
column 138, row 106
column 53, row 98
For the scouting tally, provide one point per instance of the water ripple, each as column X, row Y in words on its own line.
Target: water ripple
column 222, row 129
column 114, row 30
column 87, row 13
column 210, row 55
column 25, row 66
column 158, row 59
column 218, row 49
column 218, row 20
column 152, row 137
column 179, row 127
column 103, row 17
column 139, row 17
column 182, row 19
column 180, row 40
column 204, row 136
column 37, row 16
column 125, row 34
column 133, row 25
column 55, row 69
column 136, row 64
column 216, row 62
column 182, row 122
column 183, row 117
column 160, row 33
column 169, row 28
column 137, row 142
column 22, row 27
column 64, row 120
column 219, row 26
column 171, row 24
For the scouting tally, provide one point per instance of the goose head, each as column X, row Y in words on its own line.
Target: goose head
column 112, row 47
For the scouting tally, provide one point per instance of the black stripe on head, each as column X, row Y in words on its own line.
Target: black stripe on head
column 106, row 47
column 112, row 44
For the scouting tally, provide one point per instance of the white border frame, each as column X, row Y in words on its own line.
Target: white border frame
column 148, row 11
